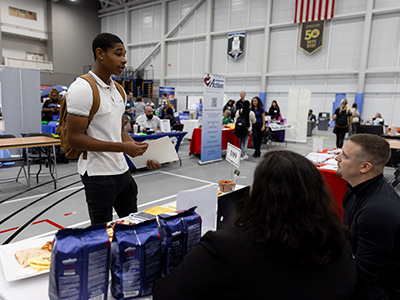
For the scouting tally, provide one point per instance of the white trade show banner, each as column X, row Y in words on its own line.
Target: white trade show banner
column 211, row 131
column 298, row 106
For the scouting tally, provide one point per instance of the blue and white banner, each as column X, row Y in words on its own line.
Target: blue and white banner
column 211, row 132
column 236, row 42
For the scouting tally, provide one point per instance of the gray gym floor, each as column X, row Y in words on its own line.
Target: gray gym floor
column 40, row 209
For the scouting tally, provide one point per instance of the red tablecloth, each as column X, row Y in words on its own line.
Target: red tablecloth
column 228, row 136
column 337, row 186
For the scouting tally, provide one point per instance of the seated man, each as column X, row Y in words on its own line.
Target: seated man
column 372, row 213
column 149, row 120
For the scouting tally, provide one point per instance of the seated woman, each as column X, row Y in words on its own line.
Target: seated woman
column 287, row 243
column 227, row 119
column 170, row 116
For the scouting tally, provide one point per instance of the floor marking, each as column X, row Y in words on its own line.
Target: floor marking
column 7, row 230
column 71, row 213
column 187, row 177
column 209, row 183
column 41, row 195
column 50, row 222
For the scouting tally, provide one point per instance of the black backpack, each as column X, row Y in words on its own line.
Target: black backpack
column 341, row 119
column 241, row 127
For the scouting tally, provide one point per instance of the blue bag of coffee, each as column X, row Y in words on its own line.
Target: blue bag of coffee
column 192, row 229
column 135, row 259
column 180, row 232
column 79, row 264
column 96, row 251
column 172, row 241
column 150, row 241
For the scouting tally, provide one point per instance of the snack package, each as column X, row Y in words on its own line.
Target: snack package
column 135, row 259
column 80, row 264
column 180, row 232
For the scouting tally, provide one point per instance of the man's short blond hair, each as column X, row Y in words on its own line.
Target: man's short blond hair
column 374, row 149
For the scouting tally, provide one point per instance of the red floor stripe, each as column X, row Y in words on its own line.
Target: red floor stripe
column 50, row 222
column 15, row 228
column 71, row 213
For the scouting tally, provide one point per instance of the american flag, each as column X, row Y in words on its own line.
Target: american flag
column 313, row 10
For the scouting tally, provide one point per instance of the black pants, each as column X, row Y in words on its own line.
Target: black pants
column 257, row 137
column 105, row 192
column 340, row 134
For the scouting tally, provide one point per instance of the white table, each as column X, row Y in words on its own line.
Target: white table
column 189, row 126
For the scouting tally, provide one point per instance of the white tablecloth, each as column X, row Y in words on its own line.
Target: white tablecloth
column 189, row 126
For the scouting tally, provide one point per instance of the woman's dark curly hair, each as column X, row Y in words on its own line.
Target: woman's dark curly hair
column 290, row 211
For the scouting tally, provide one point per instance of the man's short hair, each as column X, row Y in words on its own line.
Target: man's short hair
column 164, row 94
column 104, row 41
column 374, row 149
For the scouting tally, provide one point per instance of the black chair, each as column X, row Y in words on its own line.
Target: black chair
column 178, row 127
column 41, row 154
column 20, row 159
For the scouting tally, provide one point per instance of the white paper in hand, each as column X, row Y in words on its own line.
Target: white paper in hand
column 161, row 150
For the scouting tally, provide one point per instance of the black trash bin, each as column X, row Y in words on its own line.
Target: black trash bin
column 323, row 120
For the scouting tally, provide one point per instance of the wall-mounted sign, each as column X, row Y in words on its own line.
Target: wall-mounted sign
column 312, row 36
column 236, row 41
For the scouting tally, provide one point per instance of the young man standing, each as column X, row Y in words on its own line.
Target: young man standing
column 105, row 175
column 372, row 212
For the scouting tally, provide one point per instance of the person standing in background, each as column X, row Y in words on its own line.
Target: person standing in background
column 139, row 107
column 259, row 127
column 250, row 119
column 355, row 119
column 51, row 107
column 311, row 116
column 342, row 122
column 239, row 103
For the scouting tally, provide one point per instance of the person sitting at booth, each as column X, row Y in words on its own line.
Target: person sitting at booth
column 170, row 116
column 231, row 106
column 287, row 242
column 274, row 111
column 51, row 107
column 150, row 103
column 149, row 121
column 227, row 119
column 378, row 120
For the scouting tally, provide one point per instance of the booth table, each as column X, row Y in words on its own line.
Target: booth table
column 32, row 142
column 372, row 129
column 228, row 136
column 189, row 126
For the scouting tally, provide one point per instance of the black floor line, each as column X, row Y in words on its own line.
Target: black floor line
column 35, row 187
column 38, row 215
column 30, row 204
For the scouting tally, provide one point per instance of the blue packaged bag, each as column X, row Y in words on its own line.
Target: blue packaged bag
column 172, row 241
column 180, row 232
column 135, row 259
column 96, row 251
column 79, row 264
column 192, row 229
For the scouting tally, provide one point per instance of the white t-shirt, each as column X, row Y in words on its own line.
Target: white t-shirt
column 105, row 126
column 143, row 122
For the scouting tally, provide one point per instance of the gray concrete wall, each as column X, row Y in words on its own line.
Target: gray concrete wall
column 71, row 28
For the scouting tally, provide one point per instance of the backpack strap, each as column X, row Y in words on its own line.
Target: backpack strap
column 96, row 102
column 120, row 90
column 96, row 96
